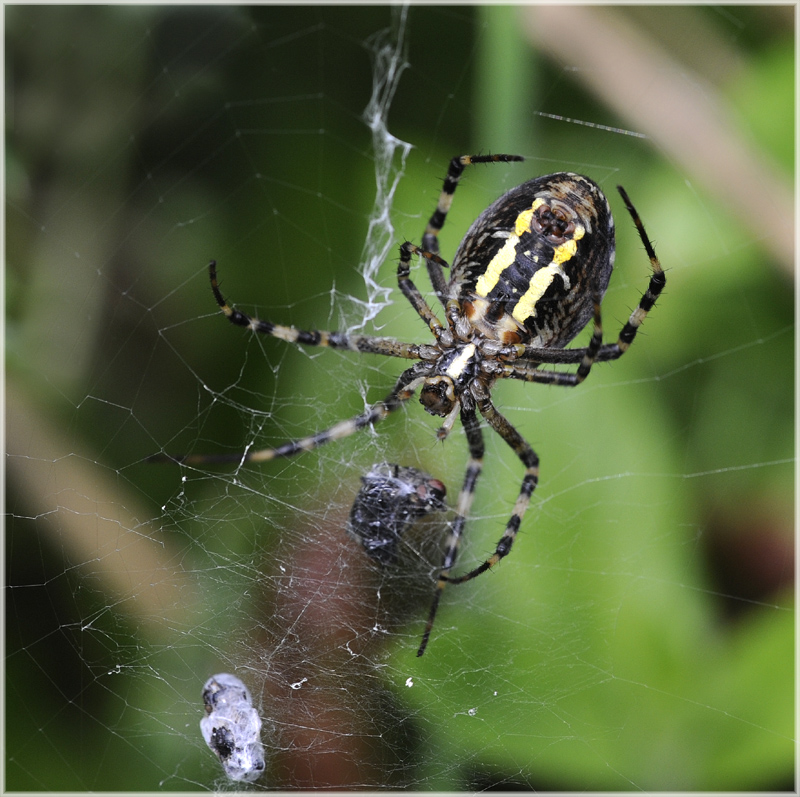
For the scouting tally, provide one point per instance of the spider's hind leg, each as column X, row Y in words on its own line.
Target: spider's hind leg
column 530, row 459
column 474, row 435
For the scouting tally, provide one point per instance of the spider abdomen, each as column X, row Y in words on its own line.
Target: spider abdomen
column 531, row 264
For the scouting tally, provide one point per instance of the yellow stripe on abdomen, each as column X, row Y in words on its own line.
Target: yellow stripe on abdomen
column 543, row 278
column 508, row 252
column 540, row 282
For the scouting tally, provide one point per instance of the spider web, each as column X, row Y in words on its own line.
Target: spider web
column 639, row 636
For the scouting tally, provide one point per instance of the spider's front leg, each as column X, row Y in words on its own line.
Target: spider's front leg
column 410, row 290
column 367, row 344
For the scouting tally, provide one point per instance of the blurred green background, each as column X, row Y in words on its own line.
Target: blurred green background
column 641, row 634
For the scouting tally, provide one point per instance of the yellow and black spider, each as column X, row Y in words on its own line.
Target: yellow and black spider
column 527, row 277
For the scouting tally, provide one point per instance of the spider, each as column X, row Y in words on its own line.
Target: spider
column 526, row 279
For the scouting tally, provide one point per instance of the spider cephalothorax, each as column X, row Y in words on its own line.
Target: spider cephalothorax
column 528, row 276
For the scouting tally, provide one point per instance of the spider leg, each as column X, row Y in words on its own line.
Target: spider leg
column 655, row 286
column 333, row 340
column 410, row 290
column 529, row 372
column 472, row 430
column 458, row 324
column 404, row 388
column 530, row 460
column 430, row 240
column 530, row 357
